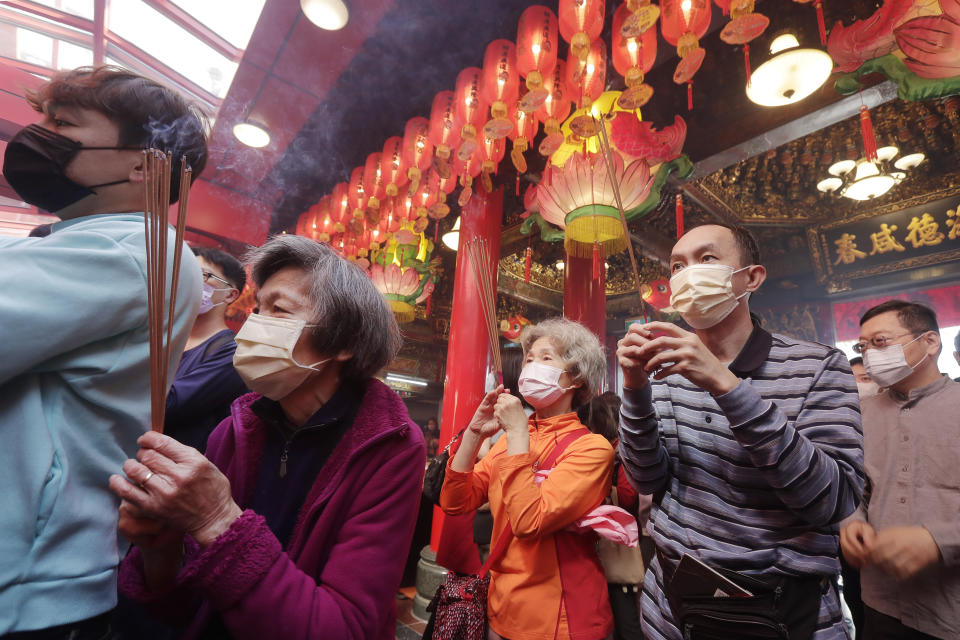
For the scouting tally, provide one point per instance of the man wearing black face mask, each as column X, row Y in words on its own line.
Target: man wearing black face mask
column 750, row 444
column 74, row 376
column 906, row 537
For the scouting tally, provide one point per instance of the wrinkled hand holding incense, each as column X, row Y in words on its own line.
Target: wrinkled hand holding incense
column 156, row 186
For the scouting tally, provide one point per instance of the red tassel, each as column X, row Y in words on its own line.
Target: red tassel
column 690, row 96
column 429, row 300
column 596, row 260
column 436, row 231
column 869, row 139
column 526, row 265
column 679, row 216
column 818, row 5
column 746, row 61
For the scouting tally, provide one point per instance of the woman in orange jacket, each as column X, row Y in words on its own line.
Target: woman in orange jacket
column 549, row 583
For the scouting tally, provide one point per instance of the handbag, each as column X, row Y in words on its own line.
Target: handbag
column 436, row 472
column 621, row 564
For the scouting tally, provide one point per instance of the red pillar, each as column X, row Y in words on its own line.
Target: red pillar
column 584, row 297
column 469, row 347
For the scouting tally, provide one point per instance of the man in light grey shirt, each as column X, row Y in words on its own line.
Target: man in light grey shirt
column 906, row 536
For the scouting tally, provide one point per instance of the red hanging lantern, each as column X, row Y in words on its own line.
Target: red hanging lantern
column 555, row 108
column 501, row 86
column 444, row 130
column 581, row 22
column 587, row 78
column 340, row 212
column 633, row 57
column 302, row 223
column 524, row 131
column 358, row 198
column 471, row 110
column 467, row 170
column 491, row 152
column 537, row 41
column 683, row 23
column 417, row 149
column 373, row 186
column 393, row 169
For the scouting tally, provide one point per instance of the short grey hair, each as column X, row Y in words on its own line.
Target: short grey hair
column 581, row 351
column 349, row 312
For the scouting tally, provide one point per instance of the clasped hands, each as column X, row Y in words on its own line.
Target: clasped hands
column 499, row 409
column 171, row 489
column 901, row 552
column 662, row 349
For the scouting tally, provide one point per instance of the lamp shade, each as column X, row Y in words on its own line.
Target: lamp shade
column 792, row 74
column 451, row 239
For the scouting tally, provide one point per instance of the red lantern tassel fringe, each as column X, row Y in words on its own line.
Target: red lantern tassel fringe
column 596, row 260
column 690, row 96
column 429, row 300
column 821, row 24
column 527, row 261
column 746, row 61
column 517, row 192
column 869, row 139
column 436, row 231
column 679, row 215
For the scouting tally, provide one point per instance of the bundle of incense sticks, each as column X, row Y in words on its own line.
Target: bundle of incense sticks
column 156, row 185
column 479, row 252
column 607, row 154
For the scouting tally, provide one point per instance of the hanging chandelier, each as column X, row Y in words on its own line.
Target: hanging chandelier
column 866, row 179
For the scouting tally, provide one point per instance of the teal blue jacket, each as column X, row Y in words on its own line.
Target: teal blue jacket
column 74, row 398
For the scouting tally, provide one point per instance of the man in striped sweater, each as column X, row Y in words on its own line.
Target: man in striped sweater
column 750, row 442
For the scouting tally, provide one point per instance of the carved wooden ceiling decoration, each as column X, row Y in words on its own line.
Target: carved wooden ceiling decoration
column 779, row 187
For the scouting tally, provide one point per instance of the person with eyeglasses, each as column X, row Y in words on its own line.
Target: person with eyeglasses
column 905, row 537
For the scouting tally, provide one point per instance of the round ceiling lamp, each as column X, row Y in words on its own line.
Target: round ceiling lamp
column 452, row 238
column 326, row 14
column 251, row 134
column 790, row 75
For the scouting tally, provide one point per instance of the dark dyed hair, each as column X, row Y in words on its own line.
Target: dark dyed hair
column 855, row 361
column 597, row 416
column 231, row 267
column 349, row 313
column 746, row 243
column 512, row 360
column 147, row 114
column 918, row 318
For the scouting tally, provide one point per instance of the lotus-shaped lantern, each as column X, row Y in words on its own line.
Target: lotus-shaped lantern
column 579, row 198
column 402, row 272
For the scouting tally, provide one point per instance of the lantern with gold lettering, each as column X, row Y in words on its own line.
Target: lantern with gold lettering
column 373, row 186
column 392, row 166
column 536, row 53
column 587, row 78
column 524, row 131
column 444, row 130
column 358, row 202
column 555, row 108
column 581, row 22
column 683, row 23
column 492, row 151
column 471, row 110
column 417, row 149
column 501, row 86
column 633, row 57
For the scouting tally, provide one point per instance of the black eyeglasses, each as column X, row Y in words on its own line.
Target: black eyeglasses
column 878, row 342
column 207, row 275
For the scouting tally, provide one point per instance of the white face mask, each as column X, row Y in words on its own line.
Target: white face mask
column 888, row 365
column 264, row 355
column 867, row 389
column 206, row 301
column 703, row 294
column 539, row 384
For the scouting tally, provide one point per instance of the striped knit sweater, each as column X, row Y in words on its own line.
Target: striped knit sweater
column 754, row 480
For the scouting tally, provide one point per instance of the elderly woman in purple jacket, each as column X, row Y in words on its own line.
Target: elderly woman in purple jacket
column 298, row 524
